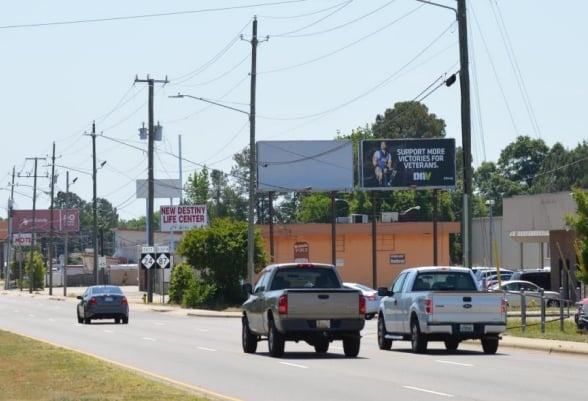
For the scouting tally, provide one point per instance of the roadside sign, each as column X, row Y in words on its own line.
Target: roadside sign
column 163, row 260
column 147, row 260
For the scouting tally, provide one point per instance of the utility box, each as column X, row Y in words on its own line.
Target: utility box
column 388, row 217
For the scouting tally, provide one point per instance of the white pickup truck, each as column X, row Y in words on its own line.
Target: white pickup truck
column 439, row 304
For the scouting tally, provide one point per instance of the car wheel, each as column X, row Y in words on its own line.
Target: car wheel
column 125, row 320
column 418, row 341
column 275, row 341
column 383, row 342
column 351, row 345
column 117, row 320
column 369, row 316
column 489, row 345
column 552, row 303
column 321, row 346
column 80, row 320
column 87, row 320
column 248, row 339
column 451, row 344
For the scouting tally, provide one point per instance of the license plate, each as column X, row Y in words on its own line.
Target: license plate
column 107, row 299
column 323, row 324
column 466, row 328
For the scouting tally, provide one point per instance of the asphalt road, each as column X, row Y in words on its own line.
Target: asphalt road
column 204, row 353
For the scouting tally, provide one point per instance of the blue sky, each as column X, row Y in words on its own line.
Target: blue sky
column 324, row 67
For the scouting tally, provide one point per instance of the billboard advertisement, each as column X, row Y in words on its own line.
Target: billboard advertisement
column 386, row 164
column 182, row 217
column 64, row 220
column 297, row 166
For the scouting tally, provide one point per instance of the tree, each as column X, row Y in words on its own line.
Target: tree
column 579, row 223
column 520, row 161
column 219, row 255
column 408, row 120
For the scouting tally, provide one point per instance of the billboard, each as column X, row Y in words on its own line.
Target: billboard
column 386, row 164
column 64, row 220
column 182, row 217
column 162, row 188
column 317, row 166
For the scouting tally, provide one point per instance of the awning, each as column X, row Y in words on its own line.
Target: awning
column 534, row 236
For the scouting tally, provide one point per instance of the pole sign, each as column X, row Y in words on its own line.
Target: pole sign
column 387, row 164
column 22, row 239
column 163, row 257
column 182, row 217
column 157, row 257
column 147, row 256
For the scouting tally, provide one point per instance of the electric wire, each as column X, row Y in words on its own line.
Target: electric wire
column 333, row 12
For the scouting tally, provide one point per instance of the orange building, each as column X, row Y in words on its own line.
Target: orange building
column 398, row 245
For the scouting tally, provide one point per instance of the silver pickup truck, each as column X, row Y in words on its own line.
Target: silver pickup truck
column 439, row 304
column 302, row 302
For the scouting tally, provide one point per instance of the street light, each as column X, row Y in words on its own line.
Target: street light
column 417, row 207
column 252, row 164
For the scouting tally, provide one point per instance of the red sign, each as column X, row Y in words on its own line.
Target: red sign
column 64, row 220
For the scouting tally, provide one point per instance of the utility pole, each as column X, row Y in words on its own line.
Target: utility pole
column 252, row 160
column 66, row 247
column 33, row 225
column 94, row 206
column 52, row 224
column 8, row 256
column 150, row 180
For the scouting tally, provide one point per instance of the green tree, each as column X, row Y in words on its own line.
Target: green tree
column 219, row 254
column 187, row 289
column 520, row 161
column 579, row 223
column 408, row 120
column 39, row 270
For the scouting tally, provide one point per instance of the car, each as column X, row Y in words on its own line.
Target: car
column 372, row 299
column 581, row 315
column 541, row 277
column 103, row 302
column 482, row 275
column 493, row 278
column 513, row 289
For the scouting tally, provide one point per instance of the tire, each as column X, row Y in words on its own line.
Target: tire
column 451, row 344
column 552, row 303
column 117, row 320
column 321, row 346
column 80, row 320
column 490, row 345
column 87, row 320
column 351, row 345
column 369, row 316
column 418, row 341
column 275, row 341
column 383, row 343
column 125, row 320
column 248, row 339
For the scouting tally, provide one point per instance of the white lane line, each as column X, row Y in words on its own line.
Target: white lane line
column 148, row 339
column 294, row 365
column 51, row 319
column 206, row 349
column 109, row 331
column 424, row 390
column 468, row 365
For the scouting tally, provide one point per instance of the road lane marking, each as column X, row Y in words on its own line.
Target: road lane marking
column 206, row 349
column 109, row 331
column 148, row 339
column 468, row 365
column 294, row 365
column 424, row 390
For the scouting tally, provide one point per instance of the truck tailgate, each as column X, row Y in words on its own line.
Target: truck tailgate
column 323, row 303
column 467, row 307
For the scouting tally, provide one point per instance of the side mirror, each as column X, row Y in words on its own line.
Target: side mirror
column 247, row 287
column 383, row 292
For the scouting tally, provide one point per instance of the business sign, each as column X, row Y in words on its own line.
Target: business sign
column 166, row 188
column 22, row 239
column 64, row 220
column 386, row 164
column 317, row 166
column 301, row 252
column 182, row 217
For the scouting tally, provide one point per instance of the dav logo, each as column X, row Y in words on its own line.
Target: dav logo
column 421, row 176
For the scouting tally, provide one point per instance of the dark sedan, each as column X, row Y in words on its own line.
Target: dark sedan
column 103, row 302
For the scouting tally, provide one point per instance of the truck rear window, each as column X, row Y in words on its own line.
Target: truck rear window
column 444, row 281
column 304, row 278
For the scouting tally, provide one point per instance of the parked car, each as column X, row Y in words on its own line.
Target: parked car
column 541, row 277
column 103, row 302
column 372, row 299
column 513, row 289
column 493, row 278
column 581, row 315
column 482, row 276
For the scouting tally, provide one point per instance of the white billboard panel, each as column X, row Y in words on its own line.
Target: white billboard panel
column 317, row 166
column 182, row 217
column 166, row 188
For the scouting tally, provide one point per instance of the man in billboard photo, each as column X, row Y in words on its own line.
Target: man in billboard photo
column 383, row 166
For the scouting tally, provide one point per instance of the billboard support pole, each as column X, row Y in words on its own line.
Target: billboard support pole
column 374, row 253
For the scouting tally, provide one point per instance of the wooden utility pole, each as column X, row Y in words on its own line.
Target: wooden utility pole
column 52, row 224
column 150, row 179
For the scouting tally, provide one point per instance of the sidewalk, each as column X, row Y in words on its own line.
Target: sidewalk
column 135, row 298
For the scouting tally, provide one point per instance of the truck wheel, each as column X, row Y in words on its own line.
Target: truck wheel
column 275, row 341
column 321, row 346
column 451, row 344
column 248, row 339
column 383, row 343
column 490, row 345
column 351, row 345
column 418, row 341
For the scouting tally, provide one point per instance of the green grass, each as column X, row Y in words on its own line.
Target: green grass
column 35, row 371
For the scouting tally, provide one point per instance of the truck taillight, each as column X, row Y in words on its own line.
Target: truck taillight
column 283, row 305
column 503, row 305
column 361, row 304
column 428, row 306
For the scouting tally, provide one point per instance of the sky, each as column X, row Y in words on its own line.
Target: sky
column 324, row 67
